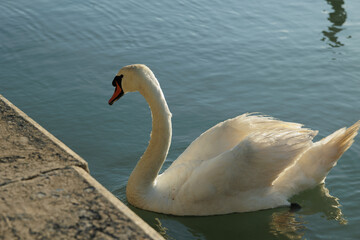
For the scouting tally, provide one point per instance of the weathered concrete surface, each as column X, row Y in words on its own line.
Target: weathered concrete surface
column 26, row 149
column 47, row 193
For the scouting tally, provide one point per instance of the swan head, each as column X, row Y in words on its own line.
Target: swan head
column 131, row 78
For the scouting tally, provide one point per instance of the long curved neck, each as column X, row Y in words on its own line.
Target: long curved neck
column 149, row 165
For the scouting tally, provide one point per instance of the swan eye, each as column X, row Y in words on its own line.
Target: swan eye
column 118, row 80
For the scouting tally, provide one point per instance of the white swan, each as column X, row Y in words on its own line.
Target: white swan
column 247, row 163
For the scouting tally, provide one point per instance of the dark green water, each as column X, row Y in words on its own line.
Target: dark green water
column 294, row 60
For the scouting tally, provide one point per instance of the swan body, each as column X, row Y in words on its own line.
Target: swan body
column 247, row 163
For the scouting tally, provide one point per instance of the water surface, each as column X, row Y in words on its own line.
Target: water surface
column 294, row 60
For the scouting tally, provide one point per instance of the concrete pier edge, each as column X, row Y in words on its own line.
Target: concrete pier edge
column 40, row 177
column 45, row 132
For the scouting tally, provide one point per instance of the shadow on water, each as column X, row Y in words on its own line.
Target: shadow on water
column 276, row 223
column 337, row 18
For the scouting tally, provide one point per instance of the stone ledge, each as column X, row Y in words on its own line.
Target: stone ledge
column 27, row 149
column 47, row 193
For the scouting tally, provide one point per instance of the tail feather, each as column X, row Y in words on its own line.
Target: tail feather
column 341, row 140
column 349, row 136
column 314, row 165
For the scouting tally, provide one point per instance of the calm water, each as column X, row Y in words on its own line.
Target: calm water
column 295, row 60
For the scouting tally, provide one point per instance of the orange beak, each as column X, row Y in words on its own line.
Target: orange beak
column 118, row 93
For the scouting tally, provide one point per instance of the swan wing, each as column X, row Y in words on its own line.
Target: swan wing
column 252, row 164
column 226, row 135
column 262, row 156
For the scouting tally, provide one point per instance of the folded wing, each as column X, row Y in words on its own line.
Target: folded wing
column 254, row 163
column 226, row 135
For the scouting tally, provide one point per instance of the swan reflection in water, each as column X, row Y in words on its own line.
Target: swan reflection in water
column 293, row 226
column 266, row 224
column 337, row 18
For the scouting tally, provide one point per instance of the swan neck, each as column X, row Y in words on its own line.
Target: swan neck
column 149, row 165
